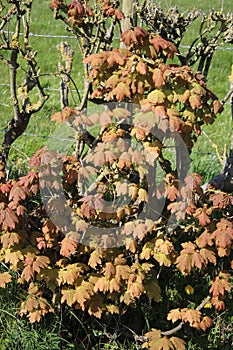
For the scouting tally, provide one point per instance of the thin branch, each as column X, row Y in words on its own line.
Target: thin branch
column 179, row 327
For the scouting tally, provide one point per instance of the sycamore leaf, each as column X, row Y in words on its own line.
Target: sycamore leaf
column 8, row 219
column 96, row 306
column 223, row 237
column 122, row 272
column 141, row 68
column 153, row 290
column 95, row 259
column 174, row 315
column 68, row 247
column 17, row 193
column 101, row 285
column 218, row 303
column 64, row 115
column 81, row 295
column 5, row 278
column 218, row 107
column 156, row 97
column 193, row 317
column 121, row 91
column 195, row 101
column 9, row 239
column 68, row 296
column 205, row 323
column 220, row 285
column 158, row 78
column 115, row 56
column 202, row 216
column 178, row 343
column 113, row 309
column 136, row 289
column 13, row 257
column 136, row 35
column 114, row 285
column 109, row 270
column 171, row 192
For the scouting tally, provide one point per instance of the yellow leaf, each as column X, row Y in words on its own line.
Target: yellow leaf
column 189, row 289
column 178, row 343
column 156, row 97
column 68, row 296
column 231, row 76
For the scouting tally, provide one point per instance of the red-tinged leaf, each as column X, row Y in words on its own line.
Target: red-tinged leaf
column 136, row 35
column 9, row 219
column 195, row 101
column 218, row 107
column 124, row 160
column 68, row 247
column 162, row 45
column 221, row 199
column 5, row 188
column 220, row 285
column 105, row 118
column 20, row 210
column 202, row 216
column 193, row 181
column 158, row 78
column 208, row 256
column 218, row 303
column 204, row 240
column 205, row 323
column 223, row 235
column 5, row 278
column 119, row 14
column 88, row 210
column 172, row 192
column 40, row 262
column 193, row 317
column 141, row 68
column 160, row 111
column 117, row 57
column 121, row 91
column 64, row 115
column 96, row 59
column 27, row 273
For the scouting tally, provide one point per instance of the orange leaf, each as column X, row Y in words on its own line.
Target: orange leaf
column 220, row 285
column 5, row 278
column 158, row 78
column 68, row 247
column 121, row 91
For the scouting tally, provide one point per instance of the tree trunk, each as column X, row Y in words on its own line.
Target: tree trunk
column 128, row 9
